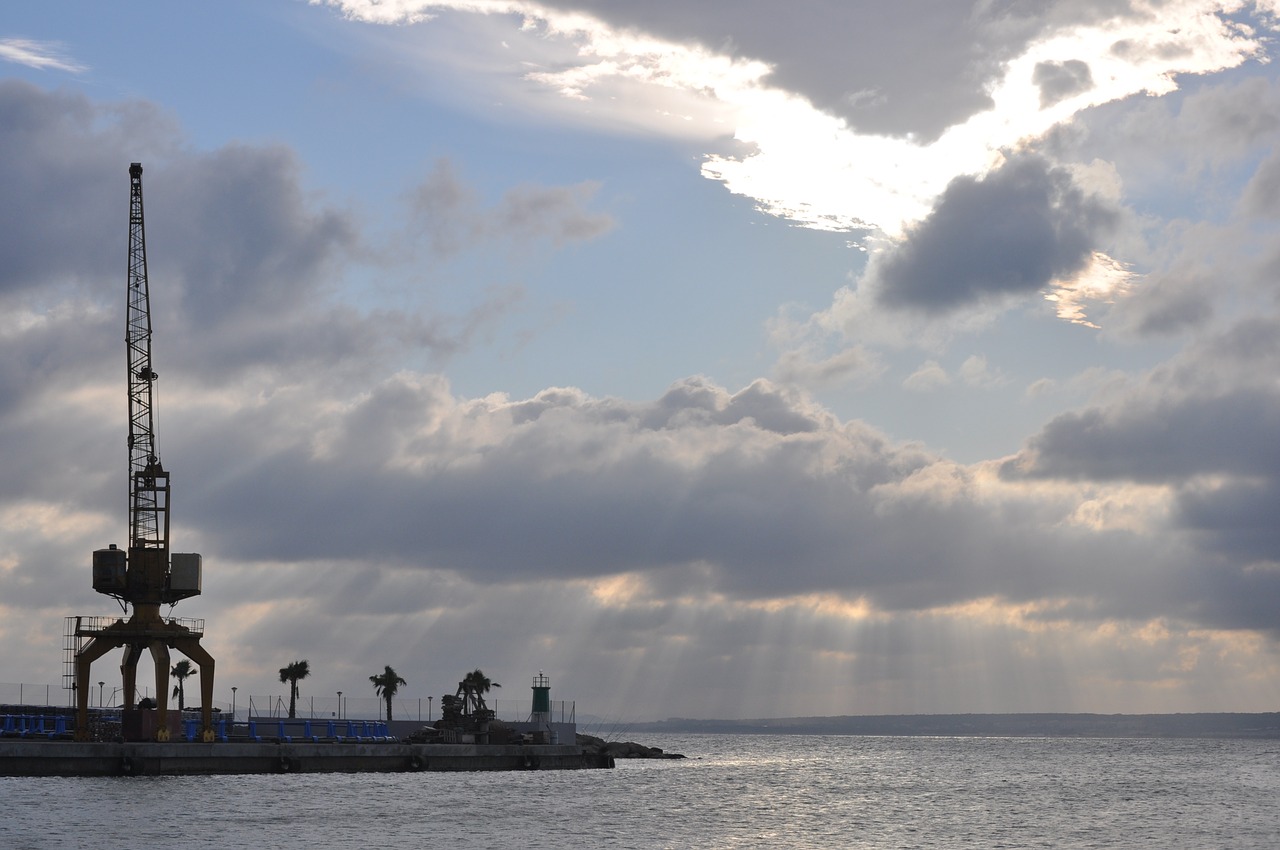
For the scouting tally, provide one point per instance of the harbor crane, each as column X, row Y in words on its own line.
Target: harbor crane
column 147, row 575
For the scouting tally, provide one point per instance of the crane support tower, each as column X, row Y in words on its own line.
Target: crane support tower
column 148, row 575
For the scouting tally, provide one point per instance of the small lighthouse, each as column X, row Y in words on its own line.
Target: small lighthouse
column 541, row 714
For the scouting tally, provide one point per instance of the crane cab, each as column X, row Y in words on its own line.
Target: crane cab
column 184, row 576
column 110, row 567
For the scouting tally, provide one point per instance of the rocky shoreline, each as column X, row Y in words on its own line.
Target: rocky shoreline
column 622, row 749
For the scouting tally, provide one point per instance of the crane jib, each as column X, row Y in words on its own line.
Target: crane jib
column 148, row 485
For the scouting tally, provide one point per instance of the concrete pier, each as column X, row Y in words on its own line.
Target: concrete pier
column 69, row 758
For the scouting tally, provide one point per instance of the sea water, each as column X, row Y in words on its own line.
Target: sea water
column 732, row 791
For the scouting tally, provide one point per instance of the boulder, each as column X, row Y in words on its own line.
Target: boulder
column 622, row 749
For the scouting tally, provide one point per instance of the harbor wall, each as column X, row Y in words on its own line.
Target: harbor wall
column 67, row 758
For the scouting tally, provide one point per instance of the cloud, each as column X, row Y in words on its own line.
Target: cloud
column 808, row 368
column 930, row 376
column 1201, row 426
column 700, row 493
column 1018, row 230
column 614, row 537
column 975, row 371
column 609, row 534
column 62, row 154
column 1203, row 413
column 244, row 240
column 667, row 554
column 1061, row 80
column 243, row 255
column 41, row 55
column 822, row 108
column 1174, row 151
column 835, row 58
column 1261, row 196
column 452, row 217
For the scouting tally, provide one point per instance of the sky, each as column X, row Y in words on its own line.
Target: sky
column 720, row 359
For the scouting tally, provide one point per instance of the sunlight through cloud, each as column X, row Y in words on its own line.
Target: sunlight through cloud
column 810, row 167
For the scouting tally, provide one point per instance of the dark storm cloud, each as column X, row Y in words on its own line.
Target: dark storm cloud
column 1013, row 232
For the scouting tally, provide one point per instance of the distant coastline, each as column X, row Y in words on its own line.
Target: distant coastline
column 1195, row 725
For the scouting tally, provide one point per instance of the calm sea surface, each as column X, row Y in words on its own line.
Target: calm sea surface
column 733, row 791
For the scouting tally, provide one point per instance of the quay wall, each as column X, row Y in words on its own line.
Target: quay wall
column 68, row 758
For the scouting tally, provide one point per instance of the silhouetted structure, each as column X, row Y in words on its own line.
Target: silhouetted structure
column 144, row 577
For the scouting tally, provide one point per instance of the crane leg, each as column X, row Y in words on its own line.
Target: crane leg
column 92, row 651
column 160, row 655
column 129, row 674
column 191, row 648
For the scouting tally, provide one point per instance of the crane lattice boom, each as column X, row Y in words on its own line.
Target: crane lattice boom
column 148, row 482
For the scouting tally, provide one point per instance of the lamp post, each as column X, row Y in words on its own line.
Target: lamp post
column 339, row 705
column 100, row 687
column 233, row 704
column 429, row 708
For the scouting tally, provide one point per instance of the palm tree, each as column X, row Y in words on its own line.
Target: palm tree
column 291, row 674
column 181, row 671
column 473, row 687
column 386, row 685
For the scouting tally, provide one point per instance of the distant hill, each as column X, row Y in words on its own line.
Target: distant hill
column 1224, row 725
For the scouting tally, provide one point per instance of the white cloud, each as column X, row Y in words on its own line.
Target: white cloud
column 930, row 376
column 975, row 371
column 41, row 55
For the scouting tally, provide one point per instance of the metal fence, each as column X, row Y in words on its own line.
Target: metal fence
column 424, row 709
column 101, row 695
column 310, row 707
column 18, row 693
